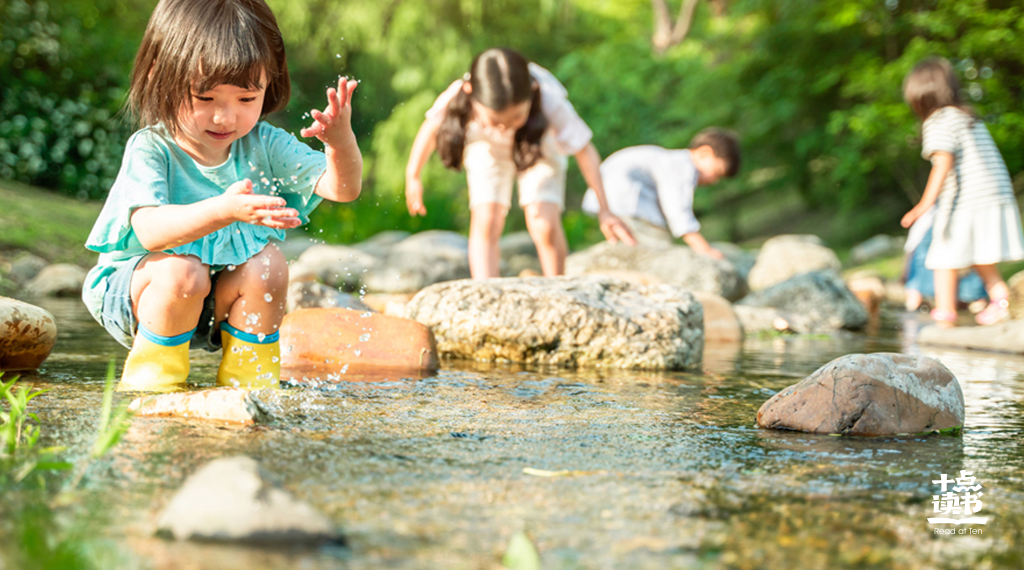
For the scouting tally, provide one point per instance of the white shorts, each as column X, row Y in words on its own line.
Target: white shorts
column 490, row 172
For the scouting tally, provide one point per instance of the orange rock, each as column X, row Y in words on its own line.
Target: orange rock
column 27, row 335
column 720, row 321
column 360, row 342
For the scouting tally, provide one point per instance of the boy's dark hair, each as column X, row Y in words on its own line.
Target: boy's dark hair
column 932, row 85
column 500, row 77
column 724, row 143
column 192, row 46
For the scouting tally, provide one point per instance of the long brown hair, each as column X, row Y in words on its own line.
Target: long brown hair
column 500, row 77
column 932, row 85
column 192, row 46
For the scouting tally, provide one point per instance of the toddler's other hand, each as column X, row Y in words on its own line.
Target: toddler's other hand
column 714, row 253
column 270, row 211
column 615, row 229
column 910, row 217
column 414, row 197
column 333, row 126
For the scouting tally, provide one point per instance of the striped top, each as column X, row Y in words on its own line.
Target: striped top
column 979, row 179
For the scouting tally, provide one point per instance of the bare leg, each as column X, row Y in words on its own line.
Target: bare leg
column 252, row 296
column 945, row 290
column 544, row 222
column 994, row 284
column 486, row 222
column 168, row 292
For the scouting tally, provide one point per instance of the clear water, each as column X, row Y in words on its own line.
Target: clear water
column 661, row 470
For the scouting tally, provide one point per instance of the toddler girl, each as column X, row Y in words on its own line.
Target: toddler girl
column 510, row 119
column 204, row 186
column 977, row 221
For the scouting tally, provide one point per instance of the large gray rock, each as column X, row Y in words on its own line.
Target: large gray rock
column 1016, row 284
column 816, row 302
column 314, row 295
column 674, row 265
column 880, row 245
column 786, row 256
column 584, row 321
column 27, row 335
column 1000, row 337
column 870, row 395
column 742, row 259
column 420, row 260
column 233, row 499
column 25, row 268
column 58, row 280
column 335, row 265
column 381, row 243
column 518, row 253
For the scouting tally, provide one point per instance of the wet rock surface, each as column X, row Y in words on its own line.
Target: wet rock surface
column 582, row 321
column 234, row 405
column 342, row 341
column 816, row 302
column 673, row 265
column 784, row 257
column 721, row 324
column 316, row 295
column 337, row 266
column 233, row 499
column 869, row 395
column 1005, row 337
column 27, row 335
column 419, row 261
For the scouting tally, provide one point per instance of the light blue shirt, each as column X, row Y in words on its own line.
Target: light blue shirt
column 155, row 171
column 650, row 183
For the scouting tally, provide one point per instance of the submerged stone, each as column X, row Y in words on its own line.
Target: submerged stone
column 27, row 335
column 674, row 265
column 1001, row 337
column 721, row 324
column 216, row 404
column 358, row 341
column 233, row 499
column 564, row 321
column 870, row 395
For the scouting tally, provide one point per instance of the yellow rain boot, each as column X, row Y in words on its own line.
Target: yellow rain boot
column 156, row 363
column 249, row 361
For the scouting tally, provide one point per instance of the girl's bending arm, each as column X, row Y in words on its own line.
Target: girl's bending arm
column 160, row 228
column 942, row 164
column 343, row 179
column 422, row 148
column 589, row 161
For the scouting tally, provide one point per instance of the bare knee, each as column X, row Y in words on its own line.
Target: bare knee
column 178, row 276
column 267, row 271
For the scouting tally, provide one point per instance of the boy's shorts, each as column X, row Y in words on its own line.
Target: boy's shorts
column 119, row 320
column 490, row 172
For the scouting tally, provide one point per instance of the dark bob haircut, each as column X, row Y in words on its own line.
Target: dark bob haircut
column 724, row 143
column 192, row 46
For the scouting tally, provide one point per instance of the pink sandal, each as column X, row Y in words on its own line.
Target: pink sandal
column 944, row 318
column 996, row 311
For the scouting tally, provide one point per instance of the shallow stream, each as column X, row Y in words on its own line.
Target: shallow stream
column 653, row 471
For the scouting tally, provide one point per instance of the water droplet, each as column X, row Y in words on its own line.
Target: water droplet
column 364, row 337
column 358, row 352
column 261, row 337
column 366, row 314
column 268, row 297
column 231, row 268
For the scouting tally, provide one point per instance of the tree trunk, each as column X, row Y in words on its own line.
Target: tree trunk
column 666, row 34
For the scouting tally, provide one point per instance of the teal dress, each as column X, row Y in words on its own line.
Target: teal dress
column 155, row 171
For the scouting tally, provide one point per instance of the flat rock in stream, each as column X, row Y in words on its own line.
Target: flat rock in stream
column 815, row 302
column 233, row 499
column 564, row 321
column 869, row 395
column 1001, row 337
column 234, row 405
column 674, row 265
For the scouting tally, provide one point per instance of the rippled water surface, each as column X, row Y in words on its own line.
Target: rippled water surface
column 656, row 470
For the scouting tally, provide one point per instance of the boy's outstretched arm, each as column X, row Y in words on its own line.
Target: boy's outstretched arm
column 343, row 179
column 699, row 244
column 589, row 161
column 422, row 148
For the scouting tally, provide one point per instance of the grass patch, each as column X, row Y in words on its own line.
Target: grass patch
column 45, row 223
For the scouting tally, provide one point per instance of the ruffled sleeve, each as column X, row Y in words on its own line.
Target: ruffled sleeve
column 141, row 182
column 295, row 169
column 571, row 133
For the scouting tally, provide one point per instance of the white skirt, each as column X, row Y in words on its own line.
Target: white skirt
column 983, row 237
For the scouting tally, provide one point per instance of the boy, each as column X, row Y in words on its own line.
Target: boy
column 651, row 188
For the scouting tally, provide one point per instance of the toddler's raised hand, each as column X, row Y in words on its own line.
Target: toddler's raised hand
column 270, row 211
column 333, row 126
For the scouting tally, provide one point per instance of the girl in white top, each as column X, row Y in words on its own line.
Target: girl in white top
column 977, row 222
column 509, row 119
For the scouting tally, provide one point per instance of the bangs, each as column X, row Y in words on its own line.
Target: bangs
column 192, row 46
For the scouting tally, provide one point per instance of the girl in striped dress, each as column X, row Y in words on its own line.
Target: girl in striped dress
column 977, row 222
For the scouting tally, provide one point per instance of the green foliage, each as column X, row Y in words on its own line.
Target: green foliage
column 521, row 553
column 19, row 434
